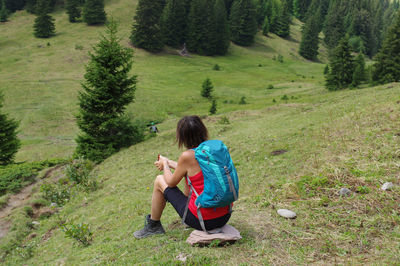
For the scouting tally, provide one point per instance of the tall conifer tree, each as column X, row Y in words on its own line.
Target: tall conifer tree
column 201, row 36
column 309, row 39
column 300, row 8
column 44, row 23
column 341, row 65
column 173, row 22
column 243, row 22
column 3, row 11
column 387, row 66
column 73, row 10
column 359, row 74
column 107, row 90
column 284, row 20
column 146, row 30
column 222, row 28
column 9, row 143
column 334, row 29
column 93, row 12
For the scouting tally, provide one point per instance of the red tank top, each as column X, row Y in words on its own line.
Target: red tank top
column 207, row 213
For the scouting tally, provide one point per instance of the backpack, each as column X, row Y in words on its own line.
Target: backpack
column 221, row 183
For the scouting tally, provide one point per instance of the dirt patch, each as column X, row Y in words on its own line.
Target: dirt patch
column 278, row 152
column 47, row 235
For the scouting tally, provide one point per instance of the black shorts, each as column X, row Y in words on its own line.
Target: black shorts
column 178, row 200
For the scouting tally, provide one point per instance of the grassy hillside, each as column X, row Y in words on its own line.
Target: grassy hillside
column 41, row 78
column 329, row 140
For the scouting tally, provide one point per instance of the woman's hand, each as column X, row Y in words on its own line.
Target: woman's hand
column 161, row 162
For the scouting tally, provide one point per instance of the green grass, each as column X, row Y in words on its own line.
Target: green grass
column 333, row 139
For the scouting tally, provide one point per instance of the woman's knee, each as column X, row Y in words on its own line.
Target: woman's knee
column 160, row 183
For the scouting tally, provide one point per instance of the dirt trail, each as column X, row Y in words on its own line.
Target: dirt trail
column 18, row 200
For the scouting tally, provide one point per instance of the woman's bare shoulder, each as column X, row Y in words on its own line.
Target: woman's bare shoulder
column 187, row 155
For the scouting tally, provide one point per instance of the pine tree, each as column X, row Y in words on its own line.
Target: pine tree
column 14, row 5
column 173, row 23
column 9, row 143
column 201, row 36
column 243, row 22
column 334, row 29
column 387, row 66
column 341, row 67
column 3, row 12
column 213, row 108
column 107, row 90
column 274, row 9
column 146, row 30
column 93, row 12
column 300, row 8
column 262, row 10
column 30, row 6
column 44, row 23
column 284, row 20
column 359, row 74
column 207, row 89
column 73, row 10
column 309, row 39
column 221, row 27
column 326, row 70
column 265, row 26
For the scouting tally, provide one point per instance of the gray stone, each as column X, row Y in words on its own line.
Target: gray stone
column 35, row 222
column 287, row 213
column 387, row 186
column 344, row 192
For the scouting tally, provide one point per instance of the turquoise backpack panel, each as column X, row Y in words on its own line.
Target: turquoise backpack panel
column 221, row 183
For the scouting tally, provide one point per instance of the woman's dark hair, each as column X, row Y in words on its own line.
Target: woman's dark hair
column 190, row 132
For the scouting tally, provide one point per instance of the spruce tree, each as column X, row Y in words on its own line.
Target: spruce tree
column 201, row 37
column 274, row 9
column 284, row 20
column 341, row 64
column 265, row 26
column 359, row 74
column 221, row 27
column 3, row 12
column 30, row 6
column 207, row 89
column 334, row 29
column 300, row 8
column 309, row 39
column 73, row 10
column 213, row 108
column 44, row 23
column 243, row 22
column 9, row 143
column 93, row 12
column 107, row 90
column 173, row 23
column 387, row 66
column 146, row 30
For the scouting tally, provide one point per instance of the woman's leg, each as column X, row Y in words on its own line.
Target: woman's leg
column 158, row 201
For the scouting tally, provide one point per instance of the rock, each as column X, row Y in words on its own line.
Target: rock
column 387, row 186
column 344, row 192
column 53, row 204
column 287, row 213
column 181, row 257
column 226, row 234
column 35, row 223
column 31, row 236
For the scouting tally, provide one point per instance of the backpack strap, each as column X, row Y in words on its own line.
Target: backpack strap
column 188, row 200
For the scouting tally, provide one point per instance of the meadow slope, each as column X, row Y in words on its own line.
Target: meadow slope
column 329, row 140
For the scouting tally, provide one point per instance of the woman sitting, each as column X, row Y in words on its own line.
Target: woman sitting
column 190, row 133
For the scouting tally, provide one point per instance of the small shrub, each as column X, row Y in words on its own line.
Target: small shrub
column 242, row 100
column 363, row 190
column 28, row 211
column 207, row 89
column 40, row 202
column 78, row 47
column 280, row 58
column 273, row 100
column 259, row 65
column 79, row 170
column 216, row 67
column 285, row 98
column 58, row 194
column 224, row 120
column 213, row 108
column 80, row 232
column 270, row 87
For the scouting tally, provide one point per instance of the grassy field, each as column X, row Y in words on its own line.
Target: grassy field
column 331, row 140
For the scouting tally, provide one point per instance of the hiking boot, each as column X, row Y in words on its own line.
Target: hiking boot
column 150, row 228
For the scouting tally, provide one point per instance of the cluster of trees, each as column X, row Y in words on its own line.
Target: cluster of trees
column 9, row 143
column 346, row 70
column 365, row 22
column 207, row 26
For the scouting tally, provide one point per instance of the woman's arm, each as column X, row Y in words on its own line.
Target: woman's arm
column 172, row 164
column 173, row 179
